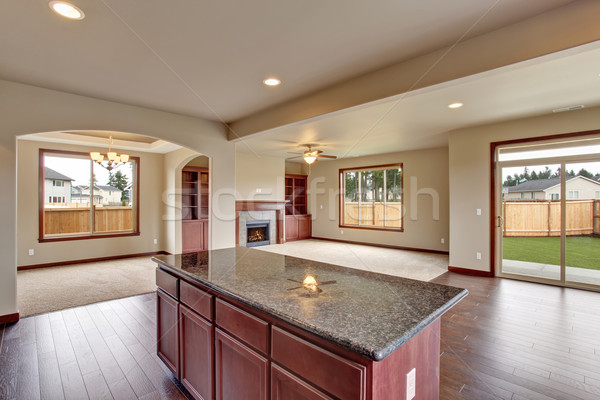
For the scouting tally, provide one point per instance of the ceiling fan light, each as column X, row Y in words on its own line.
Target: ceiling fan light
column 67, row 10
column 124, row 158
column 310, row 158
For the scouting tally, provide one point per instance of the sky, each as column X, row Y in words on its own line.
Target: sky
column 79, row 169
column 593, row 167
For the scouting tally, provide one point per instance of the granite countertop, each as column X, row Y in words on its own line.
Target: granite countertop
column 368, row 313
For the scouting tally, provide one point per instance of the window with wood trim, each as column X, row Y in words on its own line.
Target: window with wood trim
column 371, row 197
column 80, row 199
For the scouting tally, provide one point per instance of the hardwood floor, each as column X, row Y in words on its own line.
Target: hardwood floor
column 100, row 351
column 506, row 340
column 518, row 340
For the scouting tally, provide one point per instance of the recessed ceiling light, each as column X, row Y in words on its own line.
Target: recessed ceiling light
column 455, row 105
column 271, row 81
column 67, row 10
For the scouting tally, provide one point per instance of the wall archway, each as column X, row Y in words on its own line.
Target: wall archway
column 27, row 109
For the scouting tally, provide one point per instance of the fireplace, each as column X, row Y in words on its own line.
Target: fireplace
column 257, row 233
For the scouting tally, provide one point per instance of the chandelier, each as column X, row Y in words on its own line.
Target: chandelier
column 112, row 159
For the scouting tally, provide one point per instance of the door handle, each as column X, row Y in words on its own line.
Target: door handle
column 500, row 221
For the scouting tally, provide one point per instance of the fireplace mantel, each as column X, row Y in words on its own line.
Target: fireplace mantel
column 261, row 205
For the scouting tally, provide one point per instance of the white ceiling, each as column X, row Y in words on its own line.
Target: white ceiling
column 208, row 58
column 421, row 119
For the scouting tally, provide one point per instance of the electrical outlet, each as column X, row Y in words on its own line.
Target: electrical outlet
column 478, row 255
column 31, row 252
column 411, row 384
column 258, row 190
column 443, row 240
column 155, row 241
column 321, row 206
column 479, row 211
column 341, row 231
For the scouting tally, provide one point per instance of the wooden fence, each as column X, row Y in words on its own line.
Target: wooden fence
column 543, row 218
column 59, row 221
column 374, row 214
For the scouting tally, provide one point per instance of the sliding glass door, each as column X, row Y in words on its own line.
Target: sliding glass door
column 548, row 213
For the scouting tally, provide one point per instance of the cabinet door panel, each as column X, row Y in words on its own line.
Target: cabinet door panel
column 192, row 237
column 248, row 328
column 167, row 343
column 285, row 386
column 291, row 228
column 304, row 227
column 196, row 353
column 240, row 372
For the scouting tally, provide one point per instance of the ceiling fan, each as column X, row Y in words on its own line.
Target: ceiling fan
column 310, row 155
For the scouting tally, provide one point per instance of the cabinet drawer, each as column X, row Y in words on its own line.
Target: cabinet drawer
column 343, row 378
column 286, row 386
column 167, row 282
column 239, row 323
column 196, row 299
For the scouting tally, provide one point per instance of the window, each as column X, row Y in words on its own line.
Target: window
column 573, row 195
column 555, row 196
column 371, row 197
column 78, row 205
column 597, row 195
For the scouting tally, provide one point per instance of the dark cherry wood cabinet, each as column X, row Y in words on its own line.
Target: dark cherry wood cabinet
column 298, row 224
column 220, row 348
column 167, row 344
column 196, row 337
column 240, row 372
column 194, row 209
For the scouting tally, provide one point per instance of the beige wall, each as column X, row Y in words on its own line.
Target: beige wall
column 200, row 161
column 151, row 187
column 425, row 178
column 296, row 168
column 28, row 109
column 259, row 178
column 469, row 167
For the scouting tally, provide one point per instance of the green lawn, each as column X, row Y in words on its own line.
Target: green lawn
column 582, row 251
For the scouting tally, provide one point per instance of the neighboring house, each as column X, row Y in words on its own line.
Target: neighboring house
column 57, row 187
column 578, row 188
column 103, row 194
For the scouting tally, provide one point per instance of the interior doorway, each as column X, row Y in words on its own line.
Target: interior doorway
column 547, row 211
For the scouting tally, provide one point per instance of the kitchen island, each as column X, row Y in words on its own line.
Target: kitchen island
column 243, row 323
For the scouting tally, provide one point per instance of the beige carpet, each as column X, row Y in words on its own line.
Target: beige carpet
column 407, row 264
column 56, row 288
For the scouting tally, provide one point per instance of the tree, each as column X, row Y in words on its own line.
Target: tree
column 120, row 181
column 584, row 172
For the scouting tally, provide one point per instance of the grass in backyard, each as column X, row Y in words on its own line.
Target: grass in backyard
column 582, row 251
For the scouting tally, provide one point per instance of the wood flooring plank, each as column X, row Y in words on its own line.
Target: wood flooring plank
column 141, row 334
column 43, row 334
column 28, row 385
column 50, row 379
column 9, row 361
column 83, row 352
column 96, row 386
column 139, row 382
column 122, row 390
column 62, row 342
column 131, row 305
column 108, row 365
column 72, row 381
column 117, row 325
column 27, row 334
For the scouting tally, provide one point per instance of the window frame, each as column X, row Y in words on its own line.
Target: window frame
column 41, row 193
column 342, row 196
